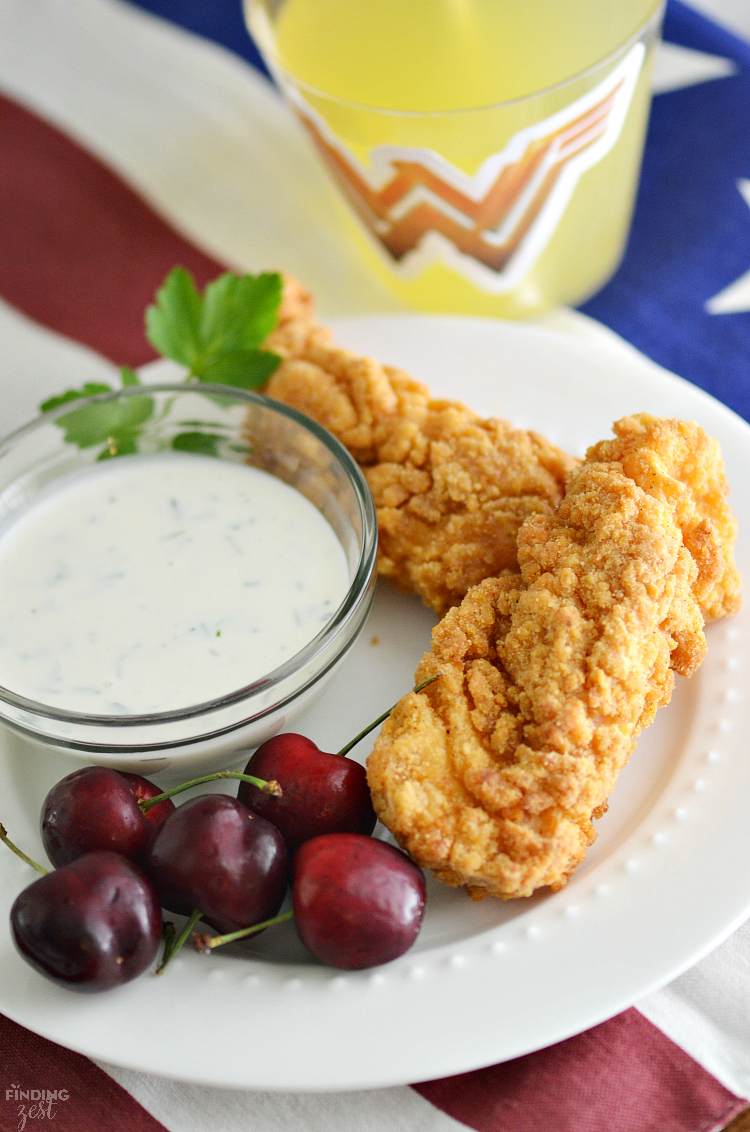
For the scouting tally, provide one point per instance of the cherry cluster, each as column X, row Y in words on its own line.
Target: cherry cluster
column 122, row 851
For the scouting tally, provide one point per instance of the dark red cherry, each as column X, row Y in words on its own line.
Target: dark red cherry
column 321, row 792
column 142, row 790
column 358, row 902
column 213, row 854
column 90, row 925
column 97, row 808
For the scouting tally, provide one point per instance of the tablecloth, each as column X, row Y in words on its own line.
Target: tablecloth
column 127, row 146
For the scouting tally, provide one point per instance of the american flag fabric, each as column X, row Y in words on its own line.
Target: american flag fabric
column 682, row 294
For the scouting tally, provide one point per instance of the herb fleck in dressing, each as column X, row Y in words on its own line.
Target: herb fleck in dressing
column 151, row 583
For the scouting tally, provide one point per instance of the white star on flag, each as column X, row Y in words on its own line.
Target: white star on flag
column 735, row 297
column 676, row 67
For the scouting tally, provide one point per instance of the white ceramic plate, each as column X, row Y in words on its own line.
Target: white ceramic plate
column 665, row 882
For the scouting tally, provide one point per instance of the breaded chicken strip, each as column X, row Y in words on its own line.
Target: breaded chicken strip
column 492, row 775
column 296, row 323
column 451, row 489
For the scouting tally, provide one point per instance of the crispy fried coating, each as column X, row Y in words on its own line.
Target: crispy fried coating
column 493, row 774
column 296, row 323
column 451, row 489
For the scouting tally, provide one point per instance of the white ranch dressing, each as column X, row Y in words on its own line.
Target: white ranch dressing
column 151, row 583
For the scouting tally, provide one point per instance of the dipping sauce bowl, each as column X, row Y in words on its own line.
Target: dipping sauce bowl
column 180, row 591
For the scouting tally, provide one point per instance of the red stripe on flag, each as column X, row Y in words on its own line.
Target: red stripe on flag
column 93, row 1101
column 622, row 1076
column 80, row 252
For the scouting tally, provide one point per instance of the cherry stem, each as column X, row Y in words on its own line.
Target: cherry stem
column 271, row 787
column 19, row 853
column 172, row 945
column 168, row 938
column 206, row 943
column 381, row 718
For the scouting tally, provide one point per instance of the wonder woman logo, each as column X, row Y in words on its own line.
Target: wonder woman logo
column 494, row 225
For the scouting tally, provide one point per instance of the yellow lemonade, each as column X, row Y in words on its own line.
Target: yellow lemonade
column 491, row 147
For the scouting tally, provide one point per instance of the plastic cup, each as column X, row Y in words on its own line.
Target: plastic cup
column 502, row 209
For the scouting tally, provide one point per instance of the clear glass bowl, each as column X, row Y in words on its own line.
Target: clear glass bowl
column 219, row 423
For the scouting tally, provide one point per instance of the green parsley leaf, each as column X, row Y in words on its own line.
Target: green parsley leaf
column 173, row 323
column 105, row 422
column 239, row 312
column 90, row 389
column 121, row 444
column 118, row 425
column 128, row 376
column 200, row 443
column 217, row 336
column 244, row 369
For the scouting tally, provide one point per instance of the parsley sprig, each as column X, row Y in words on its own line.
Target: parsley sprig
column 216, row 336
